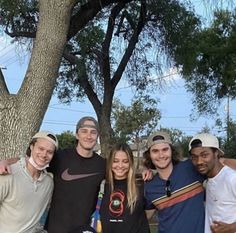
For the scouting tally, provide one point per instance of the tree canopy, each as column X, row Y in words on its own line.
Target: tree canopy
column 66, row 140
column 134, row 122
column 100, row 41
column 132, row 41
column 210, row 72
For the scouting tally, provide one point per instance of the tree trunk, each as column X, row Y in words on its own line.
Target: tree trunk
column 106, row 133
column 21, row 114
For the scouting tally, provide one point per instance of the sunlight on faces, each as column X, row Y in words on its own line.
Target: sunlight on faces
column 42, row 151
column 87, row 136
column 161, row 155
column 120, row 165
column 205, row 159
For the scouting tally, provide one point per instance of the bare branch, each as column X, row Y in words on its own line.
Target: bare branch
column 83, row 80
column 132, row 43
column 120, row 25
column 87, row 13
column 107, row 41
column 15, row 33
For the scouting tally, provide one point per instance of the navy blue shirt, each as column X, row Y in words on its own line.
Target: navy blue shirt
column 183, row 211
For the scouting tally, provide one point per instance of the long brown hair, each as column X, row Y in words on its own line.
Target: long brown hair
column 132, row 191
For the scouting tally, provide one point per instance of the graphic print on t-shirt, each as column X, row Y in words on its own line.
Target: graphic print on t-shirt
column 116, row 205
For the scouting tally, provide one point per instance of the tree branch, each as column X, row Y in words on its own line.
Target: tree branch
column 126, row 15
column 132, row 43
column 106, row 44
column 87, row 12
column 15, row 33
column 83, row 80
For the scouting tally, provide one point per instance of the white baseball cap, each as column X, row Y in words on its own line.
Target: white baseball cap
column 47, row 135
column 204, row 140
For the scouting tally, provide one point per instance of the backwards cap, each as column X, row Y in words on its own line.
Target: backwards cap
column 157, row 138
column 81, row 124
column 47, row 135
column 204, row 140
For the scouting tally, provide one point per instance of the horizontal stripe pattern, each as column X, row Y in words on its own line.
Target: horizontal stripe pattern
column 178, row 195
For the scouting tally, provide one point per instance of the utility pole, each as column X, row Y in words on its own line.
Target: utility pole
column 227, row 118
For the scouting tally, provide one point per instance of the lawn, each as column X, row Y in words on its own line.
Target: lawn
column 153, row 228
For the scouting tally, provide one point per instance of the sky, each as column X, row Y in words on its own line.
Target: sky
column 175, row 103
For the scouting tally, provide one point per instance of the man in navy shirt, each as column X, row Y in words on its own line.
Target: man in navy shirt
column 176, row 191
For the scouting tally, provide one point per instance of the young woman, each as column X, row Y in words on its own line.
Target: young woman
column 122, row 208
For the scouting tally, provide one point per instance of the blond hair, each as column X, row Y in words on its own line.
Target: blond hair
column 132, row 191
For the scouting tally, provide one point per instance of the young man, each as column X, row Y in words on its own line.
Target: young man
column 78, row 173
column 176, row 190
column 220, row 186
column 26, row 192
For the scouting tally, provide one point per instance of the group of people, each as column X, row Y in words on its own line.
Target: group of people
column 177, row 192
column 194, row 195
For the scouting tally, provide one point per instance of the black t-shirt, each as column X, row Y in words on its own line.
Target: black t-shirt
column 116, row 216
column 76, row 185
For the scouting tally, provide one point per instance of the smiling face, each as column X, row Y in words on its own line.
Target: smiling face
column 120, row 165
column 161, row 156
column 206, row 160
column 87, row 136
column 42, row 151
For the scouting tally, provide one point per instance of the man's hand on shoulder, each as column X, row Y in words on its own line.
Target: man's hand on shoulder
column 228, row 162
column 147, row 174
column 221, row 227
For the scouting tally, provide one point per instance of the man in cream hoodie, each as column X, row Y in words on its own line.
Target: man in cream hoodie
column 26, row 191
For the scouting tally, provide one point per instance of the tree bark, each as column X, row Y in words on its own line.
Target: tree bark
column 21, row 114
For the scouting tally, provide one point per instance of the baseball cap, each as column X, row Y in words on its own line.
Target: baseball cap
column 204, row 140
column 47, row 135
column 81, row 124
column 157, row 138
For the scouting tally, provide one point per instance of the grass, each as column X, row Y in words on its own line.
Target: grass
column 153, row 228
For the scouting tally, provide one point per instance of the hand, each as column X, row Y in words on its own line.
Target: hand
column 147, row 174
column 4, row 167
column 221, row 227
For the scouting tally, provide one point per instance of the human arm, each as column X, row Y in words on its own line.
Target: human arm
column 147, row 174
column 221, row 227
column 229, row 162
column 5, row 165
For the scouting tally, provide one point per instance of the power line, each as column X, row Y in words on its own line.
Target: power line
column 58, row 123
column 72, row 110
column 153, row 79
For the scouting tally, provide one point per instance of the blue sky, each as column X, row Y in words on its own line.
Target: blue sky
column 175, row 103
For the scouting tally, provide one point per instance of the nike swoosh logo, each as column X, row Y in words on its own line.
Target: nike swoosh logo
column 68, row 177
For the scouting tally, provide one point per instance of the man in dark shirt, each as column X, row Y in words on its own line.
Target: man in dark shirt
column 77, row 175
